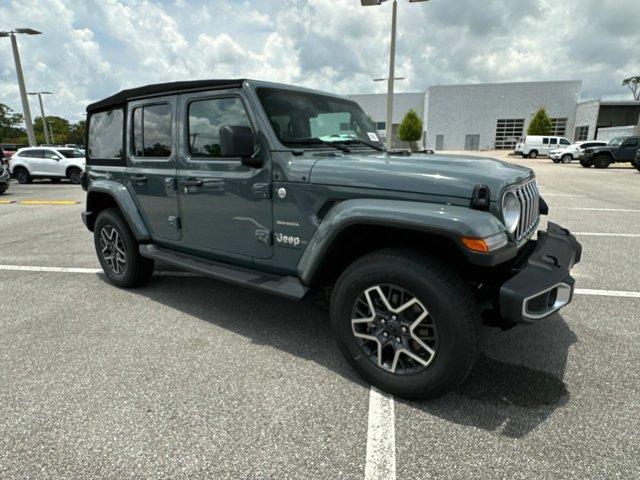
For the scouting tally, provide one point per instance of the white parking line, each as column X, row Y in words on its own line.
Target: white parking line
column 603, row 234
column 381, row 437
column 561, row 195
column 27, row 268
column 598, row 209
column 607, row 293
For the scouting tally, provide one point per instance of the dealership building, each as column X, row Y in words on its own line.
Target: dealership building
column 495, row 115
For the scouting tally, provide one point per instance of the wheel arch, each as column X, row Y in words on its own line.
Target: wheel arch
column 103, row 194
column 354, row 228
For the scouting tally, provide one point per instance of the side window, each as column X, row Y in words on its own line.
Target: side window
column 152, row 131
column 553, row 141
column 32, row 154
column 564, row 141
column 50, row 154
column 105, row 135
column 205, row 119
column 545, row 141
column 632, row 142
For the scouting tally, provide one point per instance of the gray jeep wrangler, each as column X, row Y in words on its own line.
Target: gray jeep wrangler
column 290, row 191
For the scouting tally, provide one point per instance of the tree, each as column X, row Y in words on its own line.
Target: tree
column 11, row 130
column 76, row 132
column 59, row 129
column 634, row 85
column 411, row 129
column 540, row 124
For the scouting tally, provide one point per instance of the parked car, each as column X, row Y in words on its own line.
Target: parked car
column 636, row 161
column 573, row 151
column 532, row 146
column 5, row 179
column 618, row 150
column 261, row 188
column 47, row 162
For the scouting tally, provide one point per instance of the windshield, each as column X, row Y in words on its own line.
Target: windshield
column 297, row 117
column 617, row 141
column 72, row 153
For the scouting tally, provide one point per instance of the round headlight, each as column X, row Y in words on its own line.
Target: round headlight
column 510, row 211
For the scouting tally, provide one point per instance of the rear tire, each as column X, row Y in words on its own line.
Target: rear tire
column 602, row 161
column 118, row 252
column 533, row 154
column 22, row 175
column 451, row 319
column 3, row 188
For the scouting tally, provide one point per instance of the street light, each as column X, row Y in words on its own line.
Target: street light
column 47, row 133
column 392, row 63
column 23, row 90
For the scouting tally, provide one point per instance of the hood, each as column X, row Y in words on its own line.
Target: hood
column 446, row 175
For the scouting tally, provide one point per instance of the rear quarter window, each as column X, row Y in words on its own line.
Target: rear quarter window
column 106, row 138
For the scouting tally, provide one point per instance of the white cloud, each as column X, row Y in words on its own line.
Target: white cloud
column 92, row 48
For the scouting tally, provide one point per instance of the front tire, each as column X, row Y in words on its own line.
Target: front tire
column 407, row 323
column 533, row 154
column 74, row 175
column 567, row 158
column 117, row 251
column 602, row 161
column 586, row 164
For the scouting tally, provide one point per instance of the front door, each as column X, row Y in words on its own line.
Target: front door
column 52, row 164
column 151, row 172
column 225, row 205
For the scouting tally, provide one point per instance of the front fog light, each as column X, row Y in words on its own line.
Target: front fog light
column 510, row 211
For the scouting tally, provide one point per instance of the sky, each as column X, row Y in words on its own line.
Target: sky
column 92, row 48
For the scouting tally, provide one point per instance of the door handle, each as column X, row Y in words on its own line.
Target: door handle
column 193, row 182
column 138, row 179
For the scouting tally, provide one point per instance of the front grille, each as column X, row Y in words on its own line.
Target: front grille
column 529, row 198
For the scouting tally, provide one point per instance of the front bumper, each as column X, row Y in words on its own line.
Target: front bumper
column 542, row 283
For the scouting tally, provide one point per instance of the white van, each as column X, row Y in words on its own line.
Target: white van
column 533, row 145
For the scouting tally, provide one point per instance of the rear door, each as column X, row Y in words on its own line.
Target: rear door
column 628, row 150
column 151, row 172
column 34, row 160
column 225, row 205
column 553, row 144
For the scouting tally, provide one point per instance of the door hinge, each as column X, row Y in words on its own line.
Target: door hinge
column 265, row 236
column 262, row 190
column 175, row 222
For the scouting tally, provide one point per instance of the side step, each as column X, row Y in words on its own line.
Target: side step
column 288, row 287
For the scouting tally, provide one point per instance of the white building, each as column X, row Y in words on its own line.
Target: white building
column 495, row 115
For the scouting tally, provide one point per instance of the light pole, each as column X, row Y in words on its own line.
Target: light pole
column 23, row 90
column 392, row 63
column 45, row 127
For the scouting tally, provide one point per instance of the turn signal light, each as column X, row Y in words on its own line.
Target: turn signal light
column 476, row 244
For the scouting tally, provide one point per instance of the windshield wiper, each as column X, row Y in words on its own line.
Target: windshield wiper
column 352, row 141
column 316, row 141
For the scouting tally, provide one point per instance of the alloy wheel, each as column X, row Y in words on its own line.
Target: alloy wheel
column 394, row 329
column 113, row 251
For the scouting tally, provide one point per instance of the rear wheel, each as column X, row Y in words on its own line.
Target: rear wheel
column 602, row 161
column 22, row 175
column 533, row 154
column 117, row 251
column 3, row 188
column 74, row 175
column 585, row 163
column 567, row 158
column 407, row 323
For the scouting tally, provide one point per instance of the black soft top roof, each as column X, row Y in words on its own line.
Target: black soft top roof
column 123, row 96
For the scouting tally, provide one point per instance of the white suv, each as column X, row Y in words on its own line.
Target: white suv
column 47, row 162
column 573, row 152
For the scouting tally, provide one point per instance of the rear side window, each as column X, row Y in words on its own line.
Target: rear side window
column 205, row 119
column 106, row 135
column 152, row 131
column 545, row 141
column 553, row 141
column 32, row 154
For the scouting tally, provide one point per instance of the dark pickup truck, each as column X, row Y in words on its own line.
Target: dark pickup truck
column 618, row 150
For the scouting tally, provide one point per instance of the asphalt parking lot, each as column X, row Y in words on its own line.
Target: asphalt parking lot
column 191, row 378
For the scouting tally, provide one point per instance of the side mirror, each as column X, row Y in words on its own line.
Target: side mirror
column 238, row 141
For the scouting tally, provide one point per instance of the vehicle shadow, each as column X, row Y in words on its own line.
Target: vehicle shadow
column 516, row 385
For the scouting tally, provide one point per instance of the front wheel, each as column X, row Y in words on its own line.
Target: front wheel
column 407, row 323
column 586, row 164
column 602, row 161
column 533, row 154
column 74, row 175
column 117, row 251
column 567, row 158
